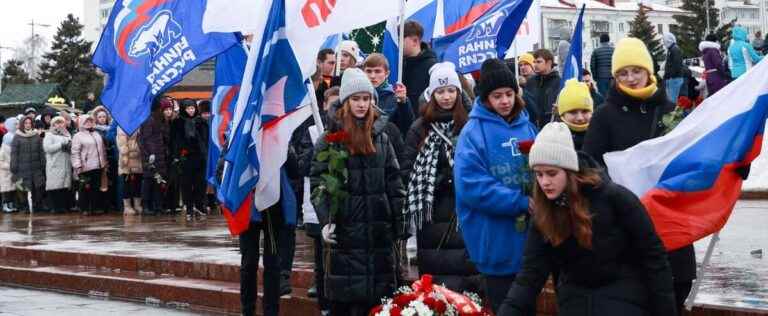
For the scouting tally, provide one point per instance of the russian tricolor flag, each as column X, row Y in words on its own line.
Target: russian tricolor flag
column 686, row 179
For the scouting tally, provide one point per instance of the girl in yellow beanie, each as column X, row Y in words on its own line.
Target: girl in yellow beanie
column 632, row 113
column 575, row 106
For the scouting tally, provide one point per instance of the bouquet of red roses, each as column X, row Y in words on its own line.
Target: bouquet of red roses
column 423, row 298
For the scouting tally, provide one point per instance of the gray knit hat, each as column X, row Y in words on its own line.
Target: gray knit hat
column 354, row 81
column 554, row 147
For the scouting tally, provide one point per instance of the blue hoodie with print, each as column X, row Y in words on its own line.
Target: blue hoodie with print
column 488, row 173
column 742, row 56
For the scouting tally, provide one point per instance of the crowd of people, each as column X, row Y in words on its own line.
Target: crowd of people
column 447, row 159
column 499, row 177
column 68, row 162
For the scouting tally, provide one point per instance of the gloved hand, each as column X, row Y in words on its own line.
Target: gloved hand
column 328, row 234
column 151, row 158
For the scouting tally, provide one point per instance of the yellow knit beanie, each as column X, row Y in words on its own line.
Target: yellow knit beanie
column 631, row 52
column 526, row 58
column 574, row 96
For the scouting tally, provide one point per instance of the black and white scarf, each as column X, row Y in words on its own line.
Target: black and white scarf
column 421, row 187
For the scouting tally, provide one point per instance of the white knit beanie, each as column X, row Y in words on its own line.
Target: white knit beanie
column 554, row 147
column 442, row 75
column 354, row 81
column 351, row 48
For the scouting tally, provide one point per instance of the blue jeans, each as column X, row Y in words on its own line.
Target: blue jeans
column 603, row 85
column 673, row 88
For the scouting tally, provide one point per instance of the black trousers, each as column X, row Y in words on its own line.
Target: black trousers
column 132, row 185
column 496, row 288
column 271, row 224
column 192, row 183
column 151, row 195
column 90, row 197
column 682, row 289
column 319, row 271
column 61, row 200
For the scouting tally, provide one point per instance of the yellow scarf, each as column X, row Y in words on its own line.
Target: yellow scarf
column 642, row 93
column 574, row 127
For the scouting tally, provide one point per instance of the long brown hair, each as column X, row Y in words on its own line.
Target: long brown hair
column 360, row 138
column 558, row 223
column 430, row 110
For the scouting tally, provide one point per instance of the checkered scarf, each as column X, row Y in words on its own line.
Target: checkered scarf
column 421, row 187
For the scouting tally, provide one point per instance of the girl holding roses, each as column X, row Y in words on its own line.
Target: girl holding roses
column 361, row 206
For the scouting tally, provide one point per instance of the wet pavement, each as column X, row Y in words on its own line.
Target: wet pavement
column 155, row 237
column 25, row 302
column 736, row 279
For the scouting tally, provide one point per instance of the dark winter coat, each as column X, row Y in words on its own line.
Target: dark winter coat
column 28, row 159
column 441, row 250
column 544, row 89
column 601, row 61
column 401, row 114
column 153, row 140
column 361, row 266
column 623, row 122
column 716, row 73
column 673, row 67
column 416, row 73
column 625, row 273
column 189, row 134
column 578, row 139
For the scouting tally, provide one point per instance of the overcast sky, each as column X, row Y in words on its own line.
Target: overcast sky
column 15, row 15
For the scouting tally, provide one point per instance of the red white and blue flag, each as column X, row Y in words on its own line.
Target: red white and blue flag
column 285, row 51
column 228, row 76
column 438, row 18
column 686, row 179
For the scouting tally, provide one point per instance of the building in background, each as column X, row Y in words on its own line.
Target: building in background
column 601, row 17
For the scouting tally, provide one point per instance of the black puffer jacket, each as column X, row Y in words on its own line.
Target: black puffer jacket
column 441, row 250
column 544, row 90
column 190, row 134
column 625, row 273
column 623, row 122
column 154, row 138
column 416, row 73
column 28, row 159
column 362, row 263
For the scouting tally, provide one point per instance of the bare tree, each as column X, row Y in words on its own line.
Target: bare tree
column 30, row 53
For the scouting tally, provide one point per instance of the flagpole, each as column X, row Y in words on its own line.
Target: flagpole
column 700, row 274
column 315, row 108
column 517, row 67
column 401, row 41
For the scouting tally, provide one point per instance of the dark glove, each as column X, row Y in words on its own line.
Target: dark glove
column 65, row 147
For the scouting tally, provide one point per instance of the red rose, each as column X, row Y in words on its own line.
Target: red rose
column 440, row 307
column 404, row 299
column 684, row 102
column 337, row 137
column 184, row 152
column 376, row 310
column 395, row 311
column 525, row 146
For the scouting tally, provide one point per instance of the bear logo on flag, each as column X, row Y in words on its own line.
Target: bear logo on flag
column 155, row 36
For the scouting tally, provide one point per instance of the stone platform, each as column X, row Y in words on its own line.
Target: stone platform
column 169, row 261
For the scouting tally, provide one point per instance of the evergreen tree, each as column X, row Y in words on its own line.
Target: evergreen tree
column 642, row 29
column 69, row 62
column 13, row 72
column 692, row 28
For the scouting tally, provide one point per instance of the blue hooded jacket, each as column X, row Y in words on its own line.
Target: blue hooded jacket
column 489, row 196
column 742, row 56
